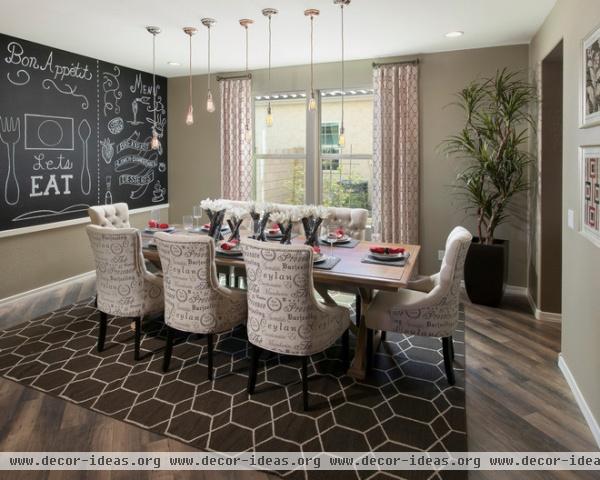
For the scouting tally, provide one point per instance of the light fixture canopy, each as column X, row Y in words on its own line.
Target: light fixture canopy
column 154, row 31
column 455, row 34
column 210, row 105
column 312, row 13
column 269, row 12
column 189, row 118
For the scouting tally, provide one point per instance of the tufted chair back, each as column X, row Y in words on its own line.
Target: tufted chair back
column 110, row 216
column 121, row 284
column 284, row 315
column 353, row 220
column 194, row 299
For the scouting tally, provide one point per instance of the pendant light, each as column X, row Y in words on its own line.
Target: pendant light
column 246, row 22
column 269, row 12
column 210, row 105
column 155, row 142
column 342, row 137
column 189, row 119
column 312, row 13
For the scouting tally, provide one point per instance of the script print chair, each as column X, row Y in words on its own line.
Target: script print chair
column 115, row 215
column 284, row 315
column 194, row 300
column 429, row 307
column 124, row 287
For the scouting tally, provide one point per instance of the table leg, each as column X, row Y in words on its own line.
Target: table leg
column 358, row 369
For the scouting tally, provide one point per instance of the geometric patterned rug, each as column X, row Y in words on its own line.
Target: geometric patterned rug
column 405, row 404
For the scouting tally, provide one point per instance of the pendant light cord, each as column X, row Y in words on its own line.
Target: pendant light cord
column 269, row 59
column 154, row 77
column 312, row 90
column 209, row 58
column 191, row 70
column 246, row 27
column 343, row 93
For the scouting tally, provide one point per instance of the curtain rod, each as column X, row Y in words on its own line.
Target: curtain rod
column 235, row 77
column 407, row 62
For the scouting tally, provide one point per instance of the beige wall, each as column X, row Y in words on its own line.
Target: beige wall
column 194, row 152
column 36, row 259
column 572, row 20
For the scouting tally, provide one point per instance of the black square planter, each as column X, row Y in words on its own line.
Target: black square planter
column 486, row 270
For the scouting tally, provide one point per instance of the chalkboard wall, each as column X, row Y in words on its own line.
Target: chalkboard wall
column 75, row 132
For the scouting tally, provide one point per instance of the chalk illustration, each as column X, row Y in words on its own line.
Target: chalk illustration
column 112, row 95
column 162, row 167
column 84, row 132
column 107, row 150
column 23, row 78
column 48, row 132
column 108, row 195
column 80, row 207
column 116, row 125
column 10, row 134
column 67, row 90
column 158, row 194
column 135, row 109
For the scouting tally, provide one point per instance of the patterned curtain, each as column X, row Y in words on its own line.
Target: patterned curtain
column 236, row 139
column 396, row 152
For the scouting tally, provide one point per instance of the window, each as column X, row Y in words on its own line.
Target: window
column 285, row 169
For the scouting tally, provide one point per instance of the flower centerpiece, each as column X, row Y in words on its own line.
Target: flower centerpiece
column 235, row 220
column 260, row 215
column 216, row 213
column 312, row 218
column 285, row 220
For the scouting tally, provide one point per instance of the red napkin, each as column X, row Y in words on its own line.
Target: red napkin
column 340, row 233
column 229, row 245
column 316, row 249
column 163, row 226
column 152, row 223
column 206, row 225
column 387, row 250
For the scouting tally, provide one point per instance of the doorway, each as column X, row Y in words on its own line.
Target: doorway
column 551, row 181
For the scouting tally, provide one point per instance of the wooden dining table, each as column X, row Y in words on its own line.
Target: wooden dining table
column 349, row 275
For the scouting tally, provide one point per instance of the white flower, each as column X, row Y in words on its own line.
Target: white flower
column 295, row 214
column 268, row 208
column 279, row 217
column 237, row 213
column 322, row 212
column 207, row 204
column 306, row 211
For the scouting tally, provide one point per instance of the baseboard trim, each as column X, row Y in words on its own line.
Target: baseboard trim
column 541, row 315
column 579, row 398
column 4, row 302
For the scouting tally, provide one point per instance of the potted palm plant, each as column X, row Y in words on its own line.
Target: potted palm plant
column 493, row 144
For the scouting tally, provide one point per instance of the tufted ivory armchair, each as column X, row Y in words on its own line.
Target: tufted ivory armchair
column 195, row 302
column 110, row 216
column 429, row 307
column 124, row 287
column 284, row 315
column 353, row 220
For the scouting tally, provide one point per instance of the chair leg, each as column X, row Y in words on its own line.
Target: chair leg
column 102, row 331
column 305, row 383
column 369, row 348
column 452, row 347
column 358, row 308
column 209, row 344
column 96, row 301
column 137, row 338
column 346, row 349
column 446, row 341
column 383, row 336
column 255, row 355
column 168, row 349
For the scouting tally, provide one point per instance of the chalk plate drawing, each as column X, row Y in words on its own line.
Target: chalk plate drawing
column 67, row 90
column 112, row 95
column 116, row 125
column 10, row 135
column 48, row 132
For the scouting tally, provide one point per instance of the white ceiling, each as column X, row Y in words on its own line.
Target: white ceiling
column 113, row 30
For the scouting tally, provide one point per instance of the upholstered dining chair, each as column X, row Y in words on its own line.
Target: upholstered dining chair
column 195, row 302
column 429, row 307
column 115, row 215
column 284, row 315
column 352, row 220
column 124, row 287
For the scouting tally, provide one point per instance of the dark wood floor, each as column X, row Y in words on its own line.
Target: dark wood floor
column 517, row 400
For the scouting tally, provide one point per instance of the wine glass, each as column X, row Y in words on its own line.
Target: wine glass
column 155, row 215
column 188, row 222
column 197, row 214
column 331, row 237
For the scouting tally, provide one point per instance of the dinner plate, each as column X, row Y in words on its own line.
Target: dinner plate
column 154, row 230
column 319, row 258
column 224, row 228
column 344, row 239
column 236, row 252
column 388, row 257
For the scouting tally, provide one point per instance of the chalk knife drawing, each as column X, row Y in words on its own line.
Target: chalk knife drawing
column 84, row 132
column 80, row 207
column 10, row 134
column 68, row 90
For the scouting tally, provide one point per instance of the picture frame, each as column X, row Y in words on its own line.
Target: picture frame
column 589, row 192
column 590, row 80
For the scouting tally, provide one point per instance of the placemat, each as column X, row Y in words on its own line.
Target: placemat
column 351, row 244
column 401, row 263
column 327, row 264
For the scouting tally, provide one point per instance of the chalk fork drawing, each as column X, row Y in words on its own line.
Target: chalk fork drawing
column 84, row 132
column 68, row 90
column 112, row 95
column 10, row 134
column 108, row 150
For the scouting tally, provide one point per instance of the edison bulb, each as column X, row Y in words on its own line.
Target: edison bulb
column 312, row 103
column 342, row 139
column 210, row 105
column 189, row 119
column 269, row 119
column 155, row 142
